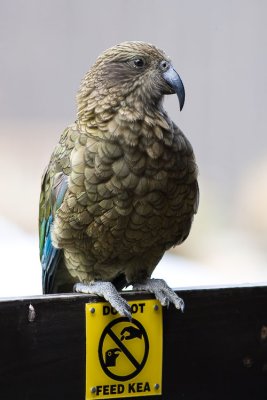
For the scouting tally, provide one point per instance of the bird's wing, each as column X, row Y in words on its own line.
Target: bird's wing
column 52, row 194
column 54, row 187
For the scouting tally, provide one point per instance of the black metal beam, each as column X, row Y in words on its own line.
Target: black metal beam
column 216, row 349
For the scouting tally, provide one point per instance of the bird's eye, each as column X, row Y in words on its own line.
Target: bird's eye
column 139, row 62
column 164, row 65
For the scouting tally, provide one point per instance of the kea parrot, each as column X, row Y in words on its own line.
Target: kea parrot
column 121, row 185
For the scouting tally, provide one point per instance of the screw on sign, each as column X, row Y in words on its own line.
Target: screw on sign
column 129, row 357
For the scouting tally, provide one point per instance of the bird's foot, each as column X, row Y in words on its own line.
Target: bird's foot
column 162, row 292
column 109, row 292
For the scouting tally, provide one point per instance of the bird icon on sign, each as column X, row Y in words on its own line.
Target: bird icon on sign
column 111, row 356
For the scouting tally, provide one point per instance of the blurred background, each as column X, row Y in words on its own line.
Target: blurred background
column 219, row 49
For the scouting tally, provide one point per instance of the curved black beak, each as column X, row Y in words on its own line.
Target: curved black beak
column 175, row 82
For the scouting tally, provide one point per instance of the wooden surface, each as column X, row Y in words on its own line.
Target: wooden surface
column 216, row 350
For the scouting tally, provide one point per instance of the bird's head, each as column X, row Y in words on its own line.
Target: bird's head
column 130, row 73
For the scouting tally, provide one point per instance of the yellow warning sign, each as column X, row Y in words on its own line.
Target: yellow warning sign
column 123, row 358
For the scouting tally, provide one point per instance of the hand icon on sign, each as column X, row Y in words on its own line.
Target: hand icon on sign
column 131, row 333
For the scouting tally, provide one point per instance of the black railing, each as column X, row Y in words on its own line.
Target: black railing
column 216, row 349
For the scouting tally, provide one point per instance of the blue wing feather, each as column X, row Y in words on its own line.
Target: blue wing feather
column 50, row 258
column 49, row 255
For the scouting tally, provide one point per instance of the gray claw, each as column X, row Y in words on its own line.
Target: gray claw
column 162, row 292
column 109, row 292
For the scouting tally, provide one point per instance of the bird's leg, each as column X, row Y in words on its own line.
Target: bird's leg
column 162, row 292
column 109, row 292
